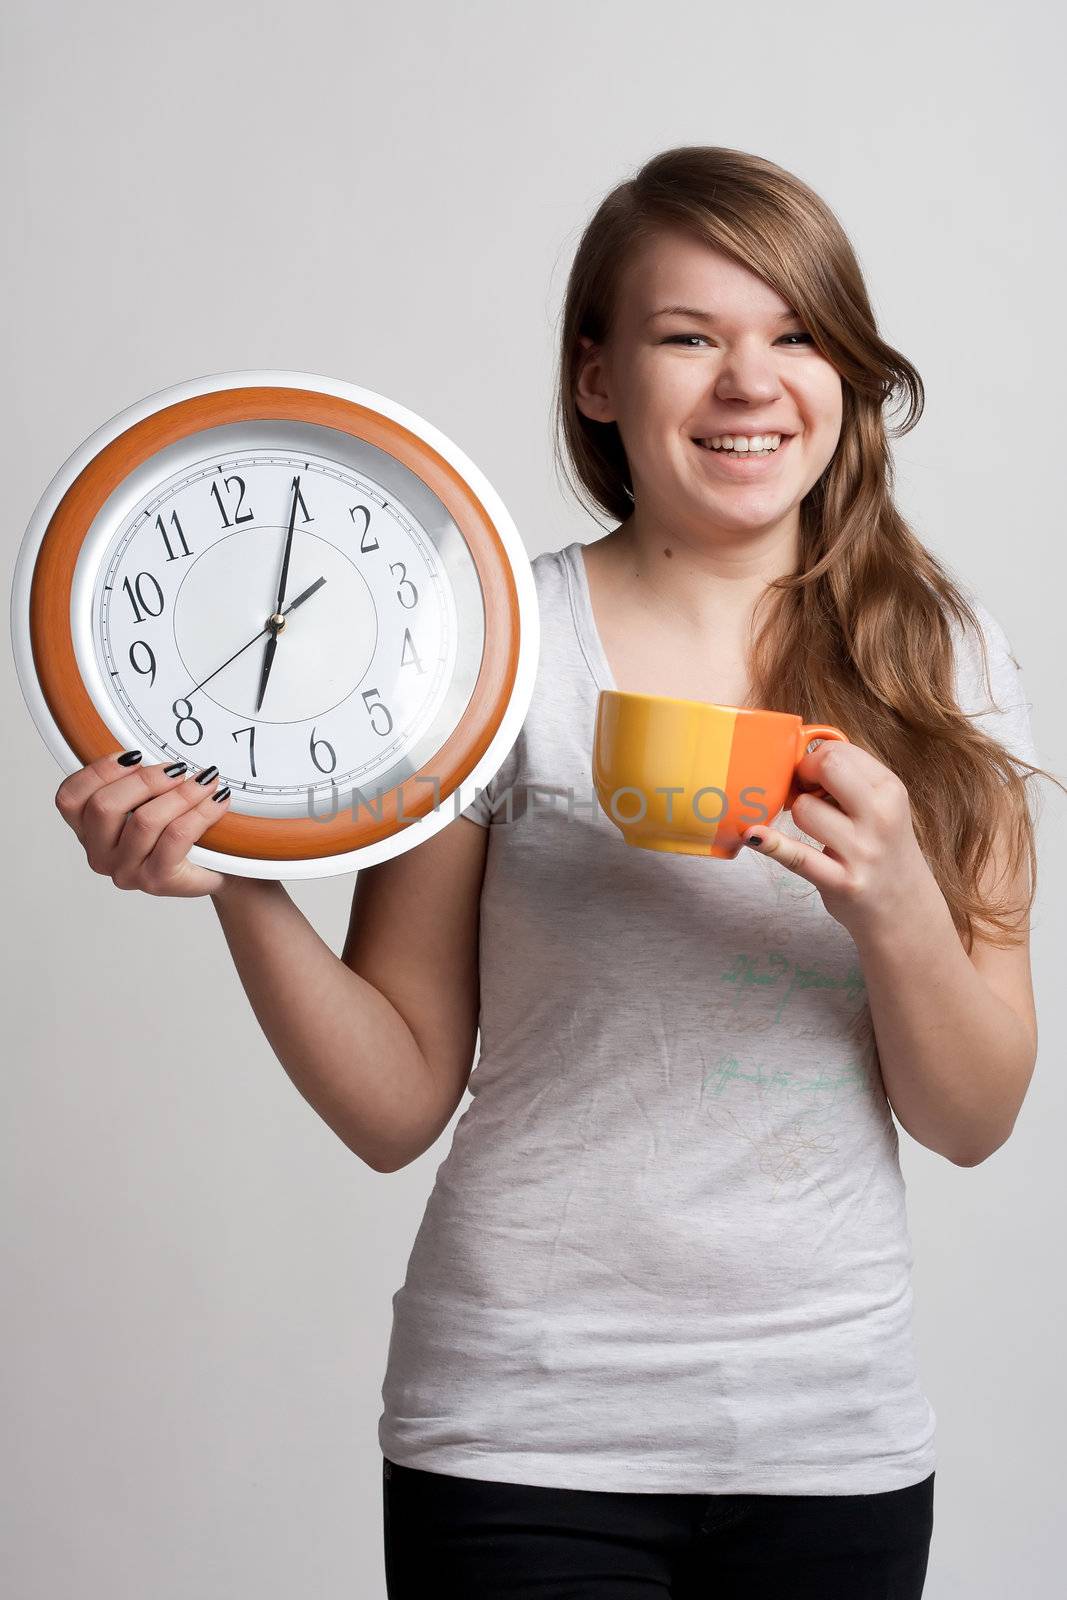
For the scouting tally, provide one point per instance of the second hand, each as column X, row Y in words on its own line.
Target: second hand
column 265, row 629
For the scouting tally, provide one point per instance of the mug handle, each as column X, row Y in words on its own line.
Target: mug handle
column 805, row 734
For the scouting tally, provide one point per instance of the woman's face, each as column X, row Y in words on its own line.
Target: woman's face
column 669, row 378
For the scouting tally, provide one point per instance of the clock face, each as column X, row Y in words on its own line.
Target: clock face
column 372, row 638
column 297, row 581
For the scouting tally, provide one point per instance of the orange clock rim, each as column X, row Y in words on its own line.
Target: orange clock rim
column 291, row 838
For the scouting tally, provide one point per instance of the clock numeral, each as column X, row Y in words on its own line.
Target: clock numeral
column 251, row 732
column 364, row 547
column 185, row 717
column 405, row 583
column 416, row 660
column 301, row 501
column 378, row 706
column 137, row 597
column 166, row 540
column 142, row 644
column 247, row 516
column 315, row 743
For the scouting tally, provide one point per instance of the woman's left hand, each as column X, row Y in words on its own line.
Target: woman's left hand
column 870, row 868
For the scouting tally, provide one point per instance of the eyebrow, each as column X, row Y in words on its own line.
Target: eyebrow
column 709, row 316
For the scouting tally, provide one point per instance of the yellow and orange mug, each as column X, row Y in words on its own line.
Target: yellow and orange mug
column 690, row 777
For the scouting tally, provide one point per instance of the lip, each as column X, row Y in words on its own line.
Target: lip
column 745, row 466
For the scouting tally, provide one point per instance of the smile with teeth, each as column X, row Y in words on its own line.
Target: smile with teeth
column 729, row 444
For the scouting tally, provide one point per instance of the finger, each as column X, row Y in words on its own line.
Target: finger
column 824, row 820
column 141, row 828
column 847, row 773
column 814, row 865
column 166, row 864
column 73, row 792
column 95, row 799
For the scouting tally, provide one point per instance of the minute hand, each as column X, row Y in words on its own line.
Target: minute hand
column 288, row 543
column 272, row 643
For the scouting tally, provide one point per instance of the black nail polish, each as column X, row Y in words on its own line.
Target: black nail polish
column 129, row 758
column 178, row 767
column 221, row 794
column 755, row 839
column 207, row 775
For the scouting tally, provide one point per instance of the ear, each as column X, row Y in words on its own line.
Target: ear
column 591, row 394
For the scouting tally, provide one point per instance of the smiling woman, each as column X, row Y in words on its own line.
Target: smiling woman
column 713, row 298
column 656, row 1324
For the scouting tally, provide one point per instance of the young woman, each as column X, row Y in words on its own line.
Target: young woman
column 655, row 1333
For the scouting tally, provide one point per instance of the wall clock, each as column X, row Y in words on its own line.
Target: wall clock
column 298, row 581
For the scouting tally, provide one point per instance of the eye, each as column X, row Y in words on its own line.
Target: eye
column 679, row 338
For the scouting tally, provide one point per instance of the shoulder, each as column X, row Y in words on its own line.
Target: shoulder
column 998, row 703
column 553, row 583
column 990, row 642
column 550, row 566
column 990, row 623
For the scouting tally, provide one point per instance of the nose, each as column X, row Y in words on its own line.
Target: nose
column 748, row 372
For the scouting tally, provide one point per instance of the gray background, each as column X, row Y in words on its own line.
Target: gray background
column 198, row 1272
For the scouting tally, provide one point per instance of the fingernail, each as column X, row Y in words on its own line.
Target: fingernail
column 175, row 770
column 755, row 839
column 129, row 758
column 221, row 794
column 207, row 775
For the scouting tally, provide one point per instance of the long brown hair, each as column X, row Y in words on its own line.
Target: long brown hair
column 859, row 636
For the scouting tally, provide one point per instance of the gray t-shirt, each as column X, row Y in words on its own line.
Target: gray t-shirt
column 668, row 1248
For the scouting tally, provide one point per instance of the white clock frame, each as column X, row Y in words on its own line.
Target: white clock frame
column 415, row 830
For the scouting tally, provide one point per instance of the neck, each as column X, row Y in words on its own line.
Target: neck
column 706, row 585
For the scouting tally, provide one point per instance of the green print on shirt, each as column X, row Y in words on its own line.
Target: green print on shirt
column 826, row 1088
column 775, row 968
column 789, row 1124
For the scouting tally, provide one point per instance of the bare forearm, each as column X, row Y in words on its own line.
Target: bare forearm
column 955, row 1057
column 343, row 1044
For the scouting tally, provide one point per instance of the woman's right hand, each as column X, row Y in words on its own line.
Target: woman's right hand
column 137, row 824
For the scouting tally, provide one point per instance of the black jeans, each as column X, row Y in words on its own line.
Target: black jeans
column 475, row 1539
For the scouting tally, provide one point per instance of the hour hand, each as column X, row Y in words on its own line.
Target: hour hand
column 304, row 595
column 275, row 624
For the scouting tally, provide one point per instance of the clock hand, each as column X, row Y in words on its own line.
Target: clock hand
column 275, row 625
column 268, row 662
column 288, row 543
column 299, row 601
column 265, row 629
column 244, row 647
